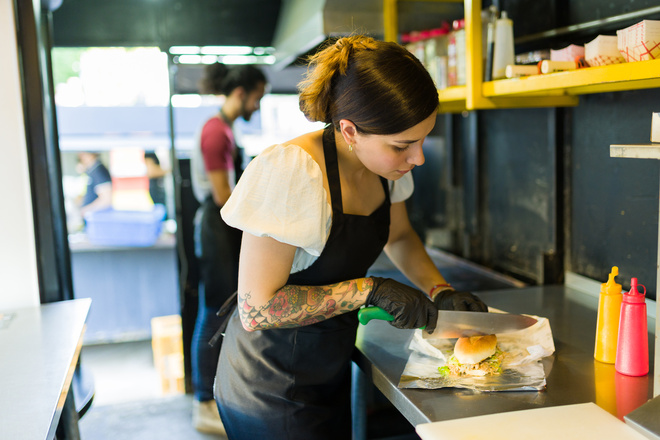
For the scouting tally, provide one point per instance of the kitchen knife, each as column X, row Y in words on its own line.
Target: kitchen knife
column 455, row 324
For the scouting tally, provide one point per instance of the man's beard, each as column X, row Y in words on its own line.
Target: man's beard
column 245, row 114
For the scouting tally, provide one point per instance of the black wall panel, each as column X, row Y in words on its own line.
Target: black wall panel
column 531, row 17
column 585, row 11
column 427, row 206
column 614, row 200
column 518, row 160
column 534, row 17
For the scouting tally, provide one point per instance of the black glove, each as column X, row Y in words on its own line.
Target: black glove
column 409, row 307
column 449, row 299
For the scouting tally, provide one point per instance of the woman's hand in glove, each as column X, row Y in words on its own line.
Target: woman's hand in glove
column 449, row 299
column 409, row 307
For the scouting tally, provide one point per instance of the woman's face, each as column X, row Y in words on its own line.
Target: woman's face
column 392, row 156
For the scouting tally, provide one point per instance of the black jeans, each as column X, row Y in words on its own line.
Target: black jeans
column 217, row 247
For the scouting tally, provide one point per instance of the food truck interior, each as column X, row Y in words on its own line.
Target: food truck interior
column 516, row 191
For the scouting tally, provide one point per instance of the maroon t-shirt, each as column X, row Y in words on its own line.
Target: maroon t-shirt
column 217, row 145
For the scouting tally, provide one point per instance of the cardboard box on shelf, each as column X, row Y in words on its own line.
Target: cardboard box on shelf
column 167, row 346
column 640, row 41
column 603, row 50
column 569, row 53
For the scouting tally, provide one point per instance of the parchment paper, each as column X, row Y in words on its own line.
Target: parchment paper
column 521, row 367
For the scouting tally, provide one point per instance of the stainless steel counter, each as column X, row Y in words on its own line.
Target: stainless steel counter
column 573, row 376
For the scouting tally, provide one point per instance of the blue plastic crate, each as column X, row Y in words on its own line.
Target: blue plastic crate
column 125, row 228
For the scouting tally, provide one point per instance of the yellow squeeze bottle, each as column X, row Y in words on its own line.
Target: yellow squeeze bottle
column 607, row 325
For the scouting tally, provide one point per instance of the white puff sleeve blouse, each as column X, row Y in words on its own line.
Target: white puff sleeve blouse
column 281, row 195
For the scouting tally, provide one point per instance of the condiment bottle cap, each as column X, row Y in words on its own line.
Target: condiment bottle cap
column 611, row 287
column 633, row 295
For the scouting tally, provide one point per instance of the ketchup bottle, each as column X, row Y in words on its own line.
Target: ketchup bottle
column 632, row 356
column 607, row 325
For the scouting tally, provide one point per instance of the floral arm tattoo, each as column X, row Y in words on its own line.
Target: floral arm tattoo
column 296, row 306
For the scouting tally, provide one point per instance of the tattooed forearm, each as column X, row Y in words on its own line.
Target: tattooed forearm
column 295, row 306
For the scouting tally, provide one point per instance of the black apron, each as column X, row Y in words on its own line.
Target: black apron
column 295, row 383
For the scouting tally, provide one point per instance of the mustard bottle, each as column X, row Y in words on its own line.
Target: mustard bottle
column 607, row 325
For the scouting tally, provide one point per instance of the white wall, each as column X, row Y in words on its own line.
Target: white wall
column 18, row 264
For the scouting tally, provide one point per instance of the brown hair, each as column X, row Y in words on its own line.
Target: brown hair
column 219, row 79
column 379, row 86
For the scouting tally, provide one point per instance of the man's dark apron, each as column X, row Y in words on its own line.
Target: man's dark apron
column 295, row 383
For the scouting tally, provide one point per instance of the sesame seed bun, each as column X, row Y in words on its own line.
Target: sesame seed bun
column 475, row 349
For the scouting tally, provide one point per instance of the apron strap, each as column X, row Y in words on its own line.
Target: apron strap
column 226, row 310
column 332, row 168
column 386, row 187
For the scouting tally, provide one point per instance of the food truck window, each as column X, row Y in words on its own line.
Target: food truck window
column 114, row 139
column 114, row 103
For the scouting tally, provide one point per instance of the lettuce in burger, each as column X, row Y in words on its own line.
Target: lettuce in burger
column 474, row 356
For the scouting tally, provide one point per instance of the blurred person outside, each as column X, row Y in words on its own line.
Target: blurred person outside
column 156, row 175
column 217, row 245
column 98, row 194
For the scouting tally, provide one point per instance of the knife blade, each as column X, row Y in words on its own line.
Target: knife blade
column 457, row 324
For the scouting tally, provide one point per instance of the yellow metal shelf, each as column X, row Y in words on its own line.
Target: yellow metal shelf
column 452, row 94
column 612, row 78
column 453, row 100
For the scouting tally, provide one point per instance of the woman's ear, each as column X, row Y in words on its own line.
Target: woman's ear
column 348, row 131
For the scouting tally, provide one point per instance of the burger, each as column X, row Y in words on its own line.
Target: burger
column 474, row 356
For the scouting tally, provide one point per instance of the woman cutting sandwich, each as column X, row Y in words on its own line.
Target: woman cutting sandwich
column 316, row 212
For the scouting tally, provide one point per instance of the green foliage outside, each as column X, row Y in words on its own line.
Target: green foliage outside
column 66, row 63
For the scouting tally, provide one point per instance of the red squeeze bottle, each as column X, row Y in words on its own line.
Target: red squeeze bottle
column 632, row 355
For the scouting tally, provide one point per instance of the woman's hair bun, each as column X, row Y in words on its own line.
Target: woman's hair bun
column 380, row 86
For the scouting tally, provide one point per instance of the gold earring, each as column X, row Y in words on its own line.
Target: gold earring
column 350, row 147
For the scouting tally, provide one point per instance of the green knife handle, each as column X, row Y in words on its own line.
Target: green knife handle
column 366, row 314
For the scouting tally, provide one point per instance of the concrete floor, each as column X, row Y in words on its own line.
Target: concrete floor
column 123, row 372
column 130, row 405
column 128, row 402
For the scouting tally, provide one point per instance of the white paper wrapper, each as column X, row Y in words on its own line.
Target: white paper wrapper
column 521, row 367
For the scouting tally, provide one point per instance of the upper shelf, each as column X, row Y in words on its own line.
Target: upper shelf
column 611, row 78
column 559, row 85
